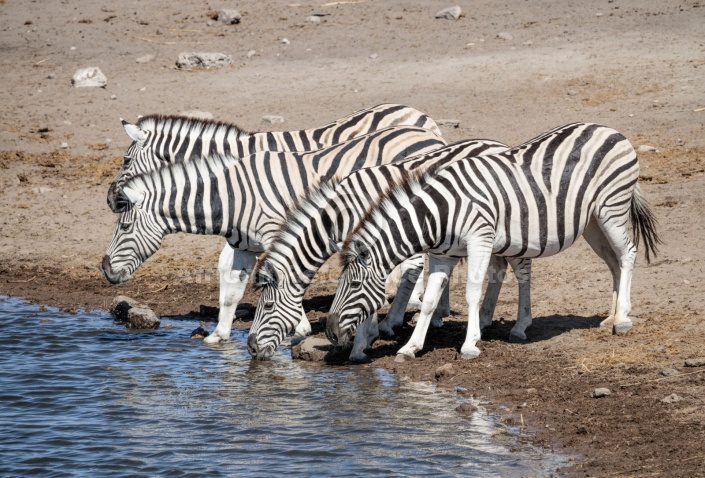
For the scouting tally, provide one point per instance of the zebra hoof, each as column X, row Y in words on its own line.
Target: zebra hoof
column 608, row 324
column 470, row 354
column 385, row 335
column 362, row 358
column 213, row 339
column 437, row 323
column 516, row 338
column 621, row 329
column 401, row 358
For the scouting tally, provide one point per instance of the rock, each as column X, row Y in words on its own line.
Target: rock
column 449, row 123
column 444, row 371
column 672, row 398
column 374, row 55
column 113, row 97
column 601, row 392
column 64, row 145
column 89, row 77
column 505, row 36
column 229, row 17
column 695, row 362
column 315, row 19
column 145, row 59
column 285, row 41
column 312, row 349
column 41, row 190
column 204, row 115
column 450, row 13
column 571, row 92
column 251, row 53
column 51, row 76
column 142, row 318
column 272, row 119
column 528, row 43
column 645, row 148
column 188, row 60
column 466, row 408
column 669, row 372
column 199, row 333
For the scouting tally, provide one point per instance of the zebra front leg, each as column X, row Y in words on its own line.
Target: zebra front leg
column 413, row 273
column 495, row 278
column 234, row 268
column 365, row 335
column 600, row 244
column 479, row 252
column 522, row 271
column 439, row 272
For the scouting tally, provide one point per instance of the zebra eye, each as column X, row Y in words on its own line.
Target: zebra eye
column 125, row 226
column 269, row 305
column 126, row 161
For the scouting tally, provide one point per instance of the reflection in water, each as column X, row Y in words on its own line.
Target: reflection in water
column 80, row 395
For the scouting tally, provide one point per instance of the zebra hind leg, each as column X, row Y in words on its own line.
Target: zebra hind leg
column 522, row 271
column 600, row 244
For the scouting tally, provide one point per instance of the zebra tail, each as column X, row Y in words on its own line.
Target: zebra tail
column 644, row 224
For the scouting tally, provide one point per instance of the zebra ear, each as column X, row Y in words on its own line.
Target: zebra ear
column 266, row 276
column 128, row 197
column 134, row 132
column 362, row 253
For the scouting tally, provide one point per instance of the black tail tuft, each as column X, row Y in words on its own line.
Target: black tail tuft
column 644, row 224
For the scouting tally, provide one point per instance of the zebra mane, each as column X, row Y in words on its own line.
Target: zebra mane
column 158, row 122
column 410, row 184
column 297, row 214
column 145, row 181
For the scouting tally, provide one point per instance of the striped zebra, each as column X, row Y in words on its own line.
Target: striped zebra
column 158, row 140
column 244, row 200
column 312, row 233
column 534, row 200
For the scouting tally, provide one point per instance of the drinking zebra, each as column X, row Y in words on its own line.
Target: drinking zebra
column 243, row 200
column 534, row 200
column 311, row 234
column 158, row 140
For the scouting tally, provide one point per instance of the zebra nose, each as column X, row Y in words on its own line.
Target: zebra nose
column 333, row 327
column 252, row 345
column 113, row 278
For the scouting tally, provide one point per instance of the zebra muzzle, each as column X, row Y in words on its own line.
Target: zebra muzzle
column 112, row 276
column 333, row 331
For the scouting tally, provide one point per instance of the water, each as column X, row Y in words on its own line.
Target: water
column 81, row 396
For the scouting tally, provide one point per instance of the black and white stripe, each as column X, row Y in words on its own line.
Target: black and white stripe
column 244, row 200
column 160, row 140
column 311, row 234
column 532, row 201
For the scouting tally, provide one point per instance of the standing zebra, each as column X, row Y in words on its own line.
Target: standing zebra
column 534, row 200
column 311, row 234
column 243, row 200
column 158, row 140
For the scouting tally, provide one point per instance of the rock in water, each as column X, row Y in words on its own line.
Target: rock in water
column 89, row 77
column 133, row 314
column 311, row 349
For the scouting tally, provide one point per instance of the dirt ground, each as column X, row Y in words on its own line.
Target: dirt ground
column 637, row 66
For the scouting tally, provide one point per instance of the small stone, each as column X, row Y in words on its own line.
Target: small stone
column 210, row 23
column 645, row 148
column 571, row 92
column 374, row 55
column 199, row 333
column 285, row 41
column 531, row 391
column 272, row 119
column 142, row 318
column 528, row 43
column 601, row 392
column 466, row 408
column 64, row 145
column 444, row 371
column 251, row 53
column 229, row 17
column 144, row 88
column 41, row 190
column 51, row 76
column 89, row 77
column 145, row 59
column 449, row 123
column 450, row 13
column 695, row 362
column 669, row 372
column 672, row 398
column 113, row 97
column 203, row 115
column 188, row 60
column 505, row 36
column 67, row 122
column 315, row 19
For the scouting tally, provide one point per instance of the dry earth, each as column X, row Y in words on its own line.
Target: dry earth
column 637, row 66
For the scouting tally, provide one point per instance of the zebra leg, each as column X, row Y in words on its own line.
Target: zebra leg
column 415, row 297
column 365, row 335
column 618, row 238
column 439, row 271
column 479, row 254
column 234, row 268
column 443, row 309
column 599, row 243
column 412, row 274
column 522, row 271
column 495, row 272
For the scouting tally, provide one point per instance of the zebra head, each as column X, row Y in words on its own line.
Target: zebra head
column 360, row 293
column 136, row 237
column 279, row 311
column 139, row 158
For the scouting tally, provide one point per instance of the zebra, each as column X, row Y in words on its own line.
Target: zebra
column 534, row 200
column 158, row 139
column 312, row 233
column 243, row 200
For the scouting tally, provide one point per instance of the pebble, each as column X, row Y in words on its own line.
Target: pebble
column 450, row 13
column 64, row 145
column 505, row 36
column 51, row 76
column 272, row 119
column 645, row 148
column 374, row 55
column 668, row 372
column 113, row 97
column 695, row 362
column 315, row 19
column 672, row 398
column 444, row 371
column 601, row 392
column 450, row 123
column 188, row 60
column 89, row 77
column 285, row 41
column 145, row 59
column 229, row 17
column 251, row 53
column 528, row 43
column 41, row 190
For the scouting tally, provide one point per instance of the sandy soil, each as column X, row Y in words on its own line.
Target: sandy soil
column 637, row 66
